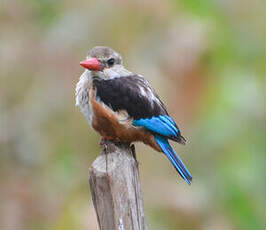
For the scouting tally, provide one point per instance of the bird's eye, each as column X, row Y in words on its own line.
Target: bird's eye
column 111, row 61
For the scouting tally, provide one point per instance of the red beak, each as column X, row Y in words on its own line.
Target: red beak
column 92, row 64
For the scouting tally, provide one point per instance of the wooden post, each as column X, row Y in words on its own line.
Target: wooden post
column 116, row 190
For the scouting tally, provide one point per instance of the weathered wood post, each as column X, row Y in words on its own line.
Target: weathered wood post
column 116, row 190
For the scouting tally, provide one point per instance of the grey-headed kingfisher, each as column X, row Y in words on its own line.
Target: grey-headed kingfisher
column 123, row 107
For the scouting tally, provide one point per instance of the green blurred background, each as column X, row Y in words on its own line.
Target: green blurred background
column 207, row 60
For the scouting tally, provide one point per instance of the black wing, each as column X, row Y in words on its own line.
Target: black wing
column 132, row 94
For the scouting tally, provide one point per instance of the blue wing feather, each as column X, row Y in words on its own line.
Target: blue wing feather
column 170, row 122
column 163, row 125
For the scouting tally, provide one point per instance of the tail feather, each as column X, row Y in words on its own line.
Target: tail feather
column 174, row 158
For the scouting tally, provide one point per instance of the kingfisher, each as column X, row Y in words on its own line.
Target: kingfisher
column 123, row 107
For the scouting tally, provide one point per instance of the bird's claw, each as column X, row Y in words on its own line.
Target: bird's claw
column 102, row 141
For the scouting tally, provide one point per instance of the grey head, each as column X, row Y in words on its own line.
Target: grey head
column 104, row 62
column 107, row 56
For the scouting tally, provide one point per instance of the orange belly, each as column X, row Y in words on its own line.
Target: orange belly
column 108, row 123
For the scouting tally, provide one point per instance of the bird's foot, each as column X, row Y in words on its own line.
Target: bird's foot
column 116, row 141
column 103, row 140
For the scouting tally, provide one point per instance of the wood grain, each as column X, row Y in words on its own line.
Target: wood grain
column 116, row 189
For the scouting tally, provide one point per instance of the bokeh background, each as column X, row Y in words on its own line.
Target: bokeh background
column 207, row 60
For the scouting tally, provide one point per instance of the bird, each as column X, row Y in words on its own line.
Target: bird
column 124, row 108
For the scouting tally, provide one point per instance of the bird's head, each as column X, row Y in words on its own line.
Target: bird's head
column 101, row 58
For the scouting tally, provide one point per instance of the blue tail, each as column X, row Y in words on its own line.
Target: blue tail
column 174, row 158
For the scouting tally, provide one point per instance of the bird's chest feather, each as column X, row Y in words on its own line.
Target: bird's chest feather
column 82, row 95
